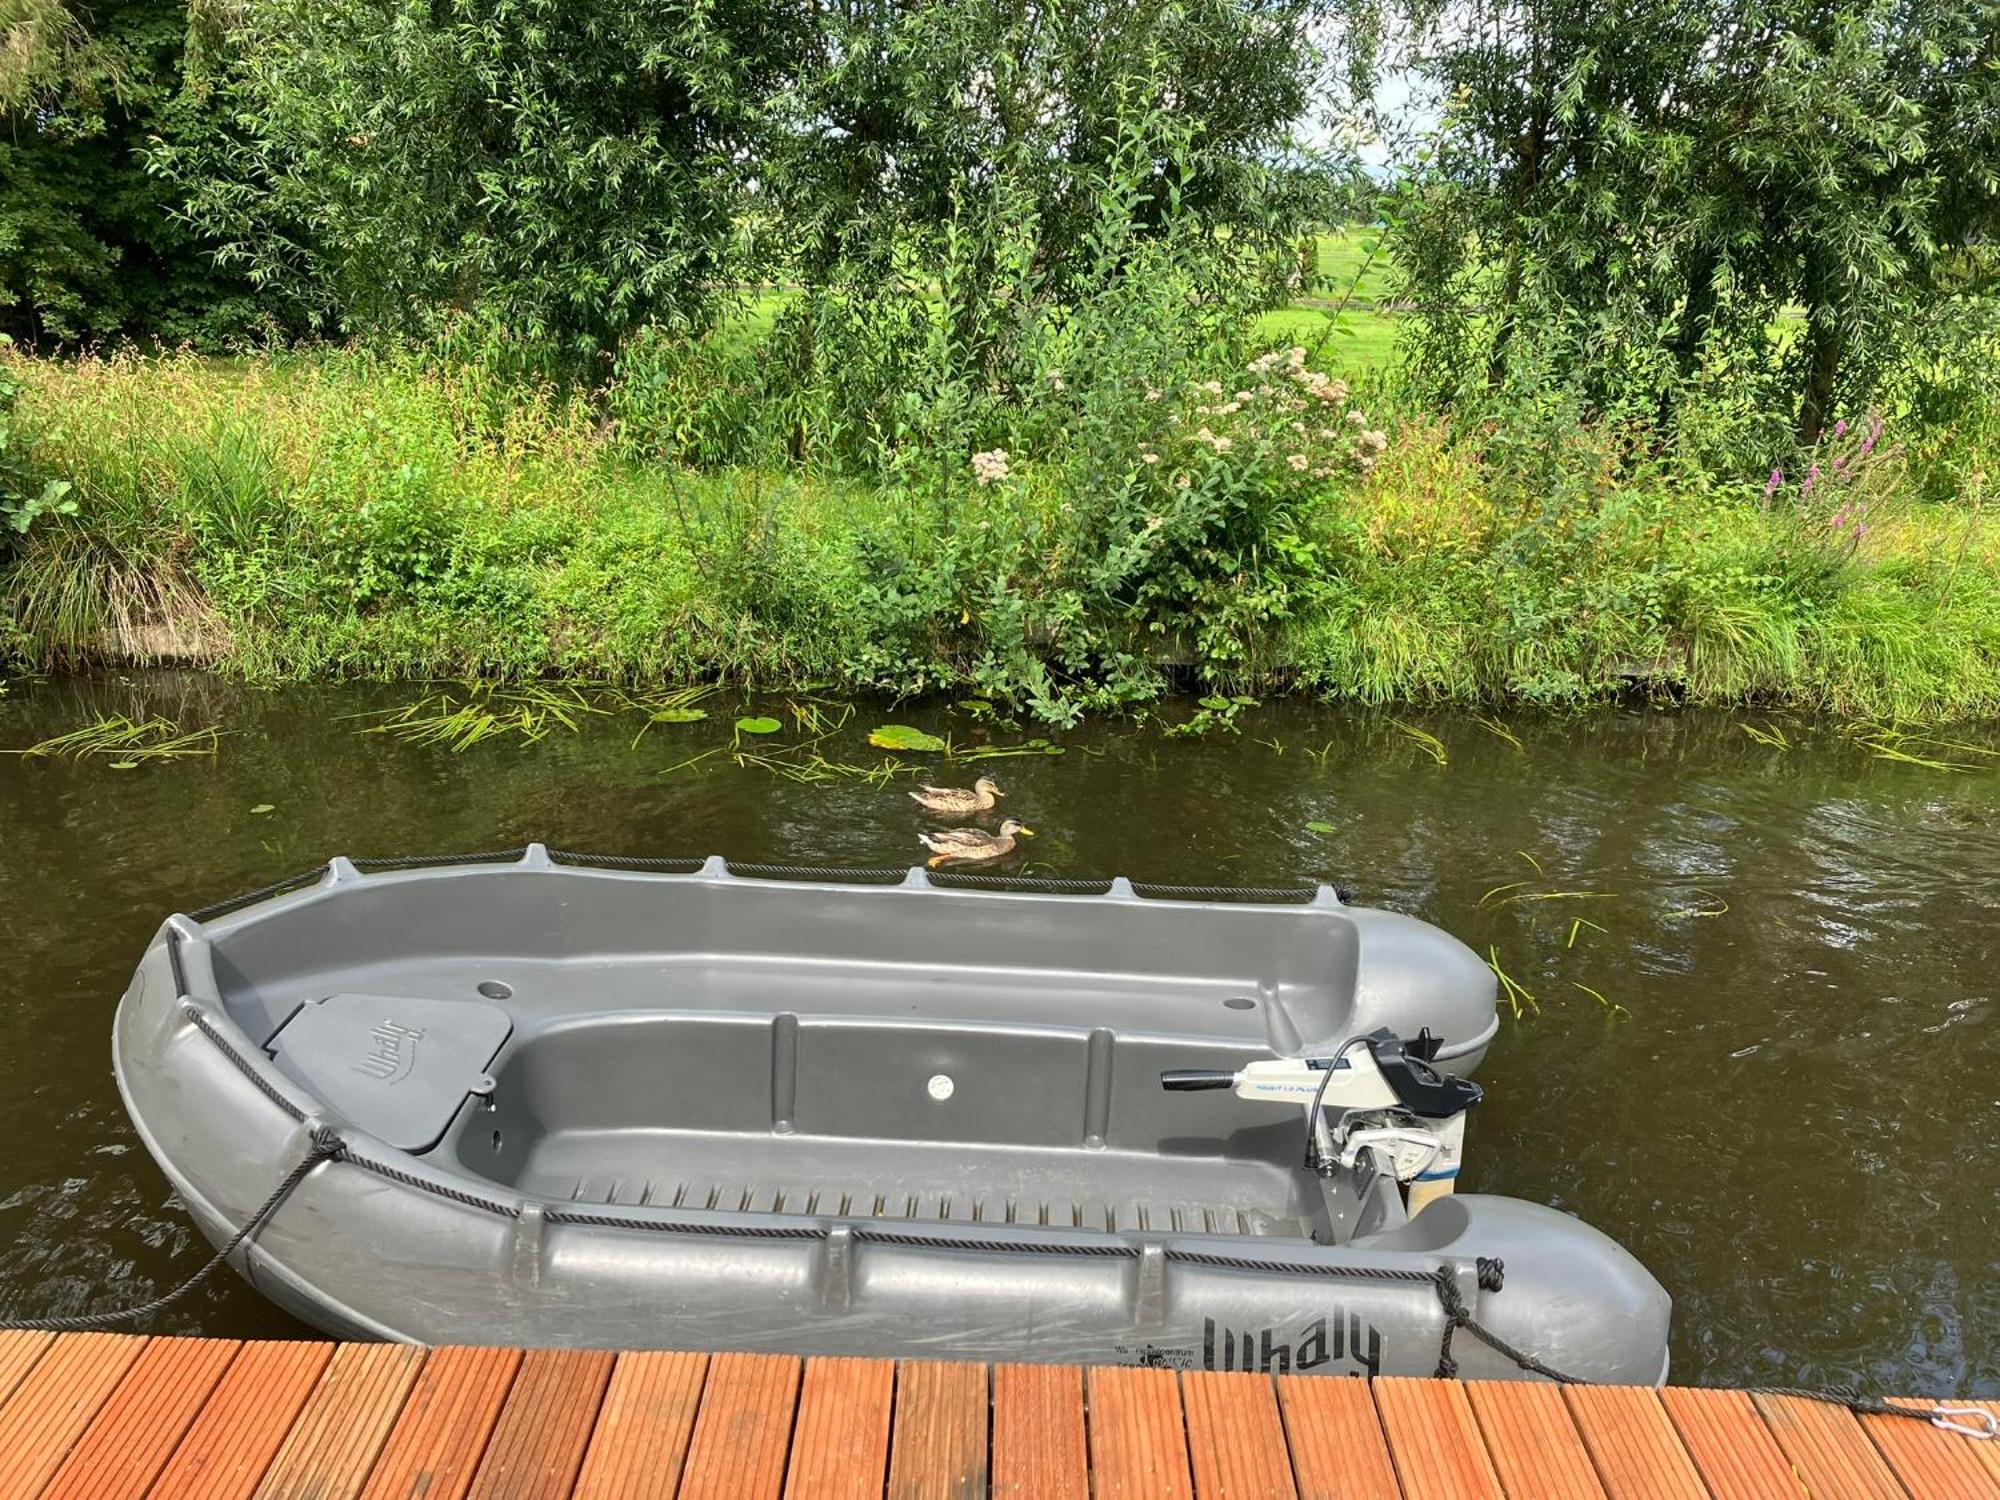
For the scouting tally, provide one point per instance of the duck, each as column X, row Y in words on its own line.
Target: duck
column 973, row 846
column 956, row 802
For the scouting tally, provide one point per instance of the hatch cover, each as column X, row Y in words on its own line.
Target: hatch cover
column 396, row 1065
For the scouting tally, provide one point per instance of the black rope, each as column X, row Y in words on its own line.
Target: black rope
column 326, row 1146
column 199, row 1018
column 1852, row 1399
column 815, row 872
column 675, row 866
column 1055, row 885
column 431, row 861
column 263, row 893
column 1300, row 893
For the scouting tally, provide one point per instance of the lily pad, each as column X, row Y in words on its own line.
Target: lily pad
column 1317, row 827
column 261, row 808
column 758, row 726
column 124, row 765
column 903, row 737
column 686, row 716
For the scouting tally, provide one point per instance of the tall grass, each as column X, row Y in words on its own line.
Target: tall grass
column 344, row 513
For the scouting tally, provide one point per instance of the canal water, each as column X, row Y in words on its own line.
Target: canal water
column 1759, row 1039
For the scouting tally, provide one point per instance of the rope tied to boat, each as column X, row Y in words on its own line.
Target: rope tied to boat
column 1967, row 1421
column 326, row 1145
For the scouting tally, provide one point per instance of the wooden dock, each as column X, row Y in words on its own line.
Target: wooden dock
column 104, row 1415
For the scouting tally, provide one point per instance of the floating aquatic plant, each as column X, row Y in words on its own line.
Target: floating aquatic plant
column 131, row 740
column 1772, row 737
column 1514, row 993
column 758, row 724
column 478, row 712
column 1425, row 741
column 904, row 737
column 1577, row 925
column 1611, row 1007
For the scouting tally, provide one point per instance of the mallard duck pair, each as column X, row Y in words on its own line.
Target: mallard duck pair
column 967, row 846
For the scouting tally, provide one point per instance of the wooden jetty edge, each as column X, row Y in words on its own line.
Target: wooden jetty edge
column 108, row 1415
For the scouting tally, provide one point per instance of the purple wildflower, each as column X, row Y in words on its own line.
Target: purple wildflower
column 1840, row 428
column 1771, row 485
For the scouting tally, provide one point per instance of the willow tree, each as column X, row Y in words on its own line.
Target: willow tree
column 1646, row 197
column 566, row 169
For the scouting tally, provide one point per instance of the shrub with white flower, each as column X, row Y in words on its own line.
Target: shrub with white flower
column 990, row 467
column 1205, row 510
column 1288, row 419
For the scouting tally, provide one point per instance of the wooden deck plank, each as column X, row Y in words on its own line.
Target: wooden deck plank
column 439, row 1439
column 1038, row 1435
column 1533, row 1440
column 938, row 1451
column 1730, row 1444
column 840, row 1442
column 1336, row 1439
column 107, row 1417
column 1434, row 1440
column 641, row 1439
column 1930, row 1461
column 332, row 1446
column 1633, row 1443
column 1235, row 1438
column 1827, row 1447
column 544, row 1426
column 54, row 1403
column 232, row 1442
column 1987, row 1452
column 1138, row 1434
column 743, row 1432
column 19, row 1349
column 143, row 1420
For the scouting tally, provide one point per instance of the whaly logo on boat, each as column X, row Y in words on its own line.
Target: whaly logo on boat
column 392, row 1052
column 1261, row 1350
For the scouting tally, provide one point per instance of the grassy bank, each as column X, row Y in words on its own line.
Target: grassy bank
column 345, row 514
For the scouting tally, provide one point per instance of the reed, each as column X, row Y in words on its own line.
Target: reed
column 124, row 741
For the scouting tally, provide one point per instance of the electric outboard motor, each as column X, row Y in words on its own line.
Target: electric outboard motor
column 1378, row 1104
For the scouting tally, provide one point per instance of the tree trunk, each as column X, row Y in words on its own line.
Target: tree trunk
column 1827, row 344
column 1697, row 310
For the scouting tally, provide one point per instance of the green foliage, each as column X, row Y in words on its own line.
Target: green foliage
column 89, row 248
column 1746, row 219
column 982, row 134
column 563, row 172
column 24, row 499
column 346, row 513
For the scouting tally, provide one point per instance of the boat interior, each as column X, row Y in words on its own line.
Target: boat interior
column 764, row 1046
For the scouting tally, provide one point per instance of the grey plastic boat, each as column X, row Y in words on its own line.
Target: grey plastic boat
column 570, row 1104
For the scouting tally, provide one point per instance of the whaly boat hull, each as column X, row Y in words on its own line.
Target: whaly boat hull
column 604, row 1108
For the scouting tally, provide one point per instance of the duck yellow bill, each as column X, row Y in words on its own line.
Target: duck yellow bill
column 1026, row 832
